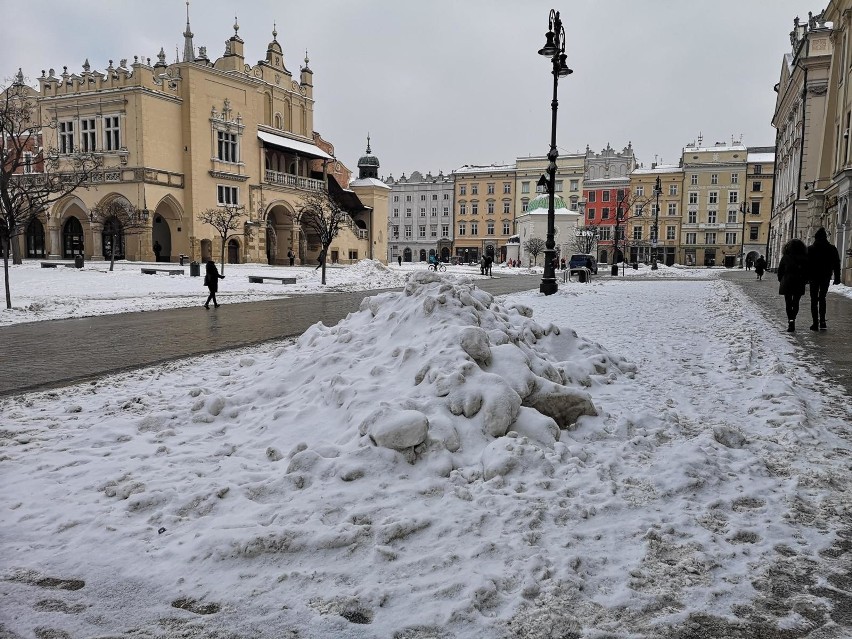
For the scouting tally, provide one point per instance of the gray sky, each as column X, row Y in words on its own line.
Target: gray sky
column 443, row 83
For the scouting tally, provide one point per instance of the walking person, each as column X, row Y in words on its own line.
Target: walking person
column 823, row 262
column 792, row 278
column 211, row 281
column 320, row 259
column 760, row 267
column 291, row 256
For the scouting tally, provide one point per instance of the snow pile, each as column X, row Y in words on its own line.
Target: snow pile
column 365, row 274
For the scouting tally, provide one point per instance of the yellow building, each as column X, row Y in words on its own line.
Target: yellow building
column 643, row 214
column 758, row 202
column 484, row 211
column 177, row 139
column 714, row 183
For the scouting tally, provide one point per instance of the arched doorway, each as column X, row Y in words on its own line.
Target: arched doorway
column 445, row 254
column 604, row 256
column 233, row 251
column 279, row 234
column 35, row 238
column 206, row 250
column 112, row 231
column 161, row 234
column 72, row 238
column 406, row 254
column 489, row 250
column 422, row 255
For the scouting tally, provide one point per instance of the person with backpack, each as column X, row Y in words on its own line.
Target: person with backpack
column 823, row 262
column 792, row 278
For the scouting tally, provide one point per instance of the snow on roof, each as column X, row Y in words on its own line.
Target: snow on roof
column 369, row 182
column 663, row 168
column 714, row 149
column 470, row 168
column 761, row 158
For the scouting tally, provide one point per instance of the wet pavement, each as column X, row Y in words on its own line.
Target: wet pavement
column 830, row 349
column 41, row 355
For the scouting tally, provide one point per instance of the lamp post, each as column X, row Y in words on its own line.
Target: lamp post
column 554, row 48
column 658, row 188
column 743, row 210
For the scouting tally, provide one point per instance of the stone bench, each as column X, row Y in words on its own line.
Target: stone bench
column 55, row 264
column 258, row 279
column 170, row 271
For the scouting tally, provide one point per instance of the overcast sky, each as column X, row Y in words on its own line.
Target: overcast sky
column 444, row 83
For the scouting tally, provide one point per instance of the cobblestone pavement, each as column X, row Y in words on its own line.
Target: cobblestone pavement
column 830, row 349
column 41, row 355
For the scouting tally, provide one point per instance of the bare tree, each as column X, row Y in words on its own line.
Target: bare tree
column 534, row 246
column 227, row 220
column 119, row 219
column 323, row 215
column 586, row 239
column 31, row 176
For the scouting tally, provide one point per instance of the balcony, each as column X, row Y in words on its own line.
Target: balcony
column 293, row 181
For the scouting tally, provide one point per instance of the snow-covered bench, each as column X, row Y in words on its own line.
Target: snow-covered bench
column 258, row 279
column 154, row 271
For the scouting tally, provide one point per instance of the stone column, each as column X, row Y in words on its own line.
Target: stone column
column 54, row 237
column 97, row 243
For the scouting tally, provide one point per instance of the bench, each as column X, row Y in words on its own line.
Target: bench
column 154, row 271
column 55, row 264
column 258, row 279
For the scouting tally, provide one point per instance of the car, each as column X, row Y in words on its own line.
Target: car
column 580, row 260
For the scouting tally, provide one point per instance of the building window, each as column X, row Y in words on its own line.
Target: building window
column 654, row 210
column 672, row 208
column 490, row 208
column 408, row 212
column 713, row 197
column 433, row 230
column 87, row 135
column 422, row 197
column 591, row 196
column 605, row 196
column 733, row 197
column 434, row 197
column 396, row 212
column 228, row 195
column 353, row 255
column 714, row 178
column 474, row 208
column 396, row 198
column 758, row 169
column 711, row 217
column 525, row 187
column 446, row 196
column 112, row 133
column 691, row 238
column 752, row 233
column 692, row 217
column 590, row 213
column 693, row 179
column 66, row 137
column 474, row 228
column 730, row 239
column 709, row 238
column 672, row 189
column 446, row 210
column 755, row 208
column 474, row 189
column 462, row 209
column 735, row 178
column 421, row 231
column 462, row 228
column 640, row 190
column 422, row 211
column 575, row 186
column 732, row 217
column 670, row 232
column 491, row 188
column 396, row 231
column 408, row 198
column 637, row 210
column 637, row 232
column 434, row 210
column 489, row 228
column 604, row 233
column 755, row 186
column 506, row 228
column 507, row 207
column 226, row 146
column 408, row 231
column 558, row 187
column 445, row 230
column 605, row 213
column 693, row 197
column 507, row 187
column 525, row 205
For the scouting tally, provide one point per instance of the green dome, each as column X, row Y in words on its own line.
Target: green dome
column 541, row 201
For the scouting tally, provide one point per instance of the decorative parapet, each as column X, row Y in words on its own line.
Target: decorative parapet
column 161, row 79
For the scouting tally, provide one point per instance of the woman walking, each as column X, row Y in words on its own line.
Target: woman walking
column 759, row 267
column 792, row 277
column 211, row 281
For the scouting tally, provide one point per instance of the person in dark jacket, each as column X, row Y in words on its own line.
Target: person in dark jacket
column 211, row 281
column 792, row 278
column 760, row 267
column 823, row 262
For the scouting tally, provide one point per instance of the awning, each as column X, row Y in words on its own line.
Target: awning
column 305, row 148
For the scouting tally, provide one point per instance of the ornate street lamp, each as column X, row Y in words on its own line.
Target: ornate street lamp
column 658, row 188
column 554, row 48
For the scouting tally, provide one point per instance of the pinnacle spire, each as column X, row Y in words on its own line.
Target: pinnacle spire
column 188, row 49
column 368, row 143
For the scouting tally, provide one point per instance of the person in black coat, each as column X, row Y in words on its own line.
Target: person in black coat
column 823, row 262
column 211, row 281
column 760, row 267
column 792, row 278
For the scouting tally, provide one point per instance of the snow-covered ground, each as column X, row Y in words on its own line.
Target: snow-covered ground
column 610, row 461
